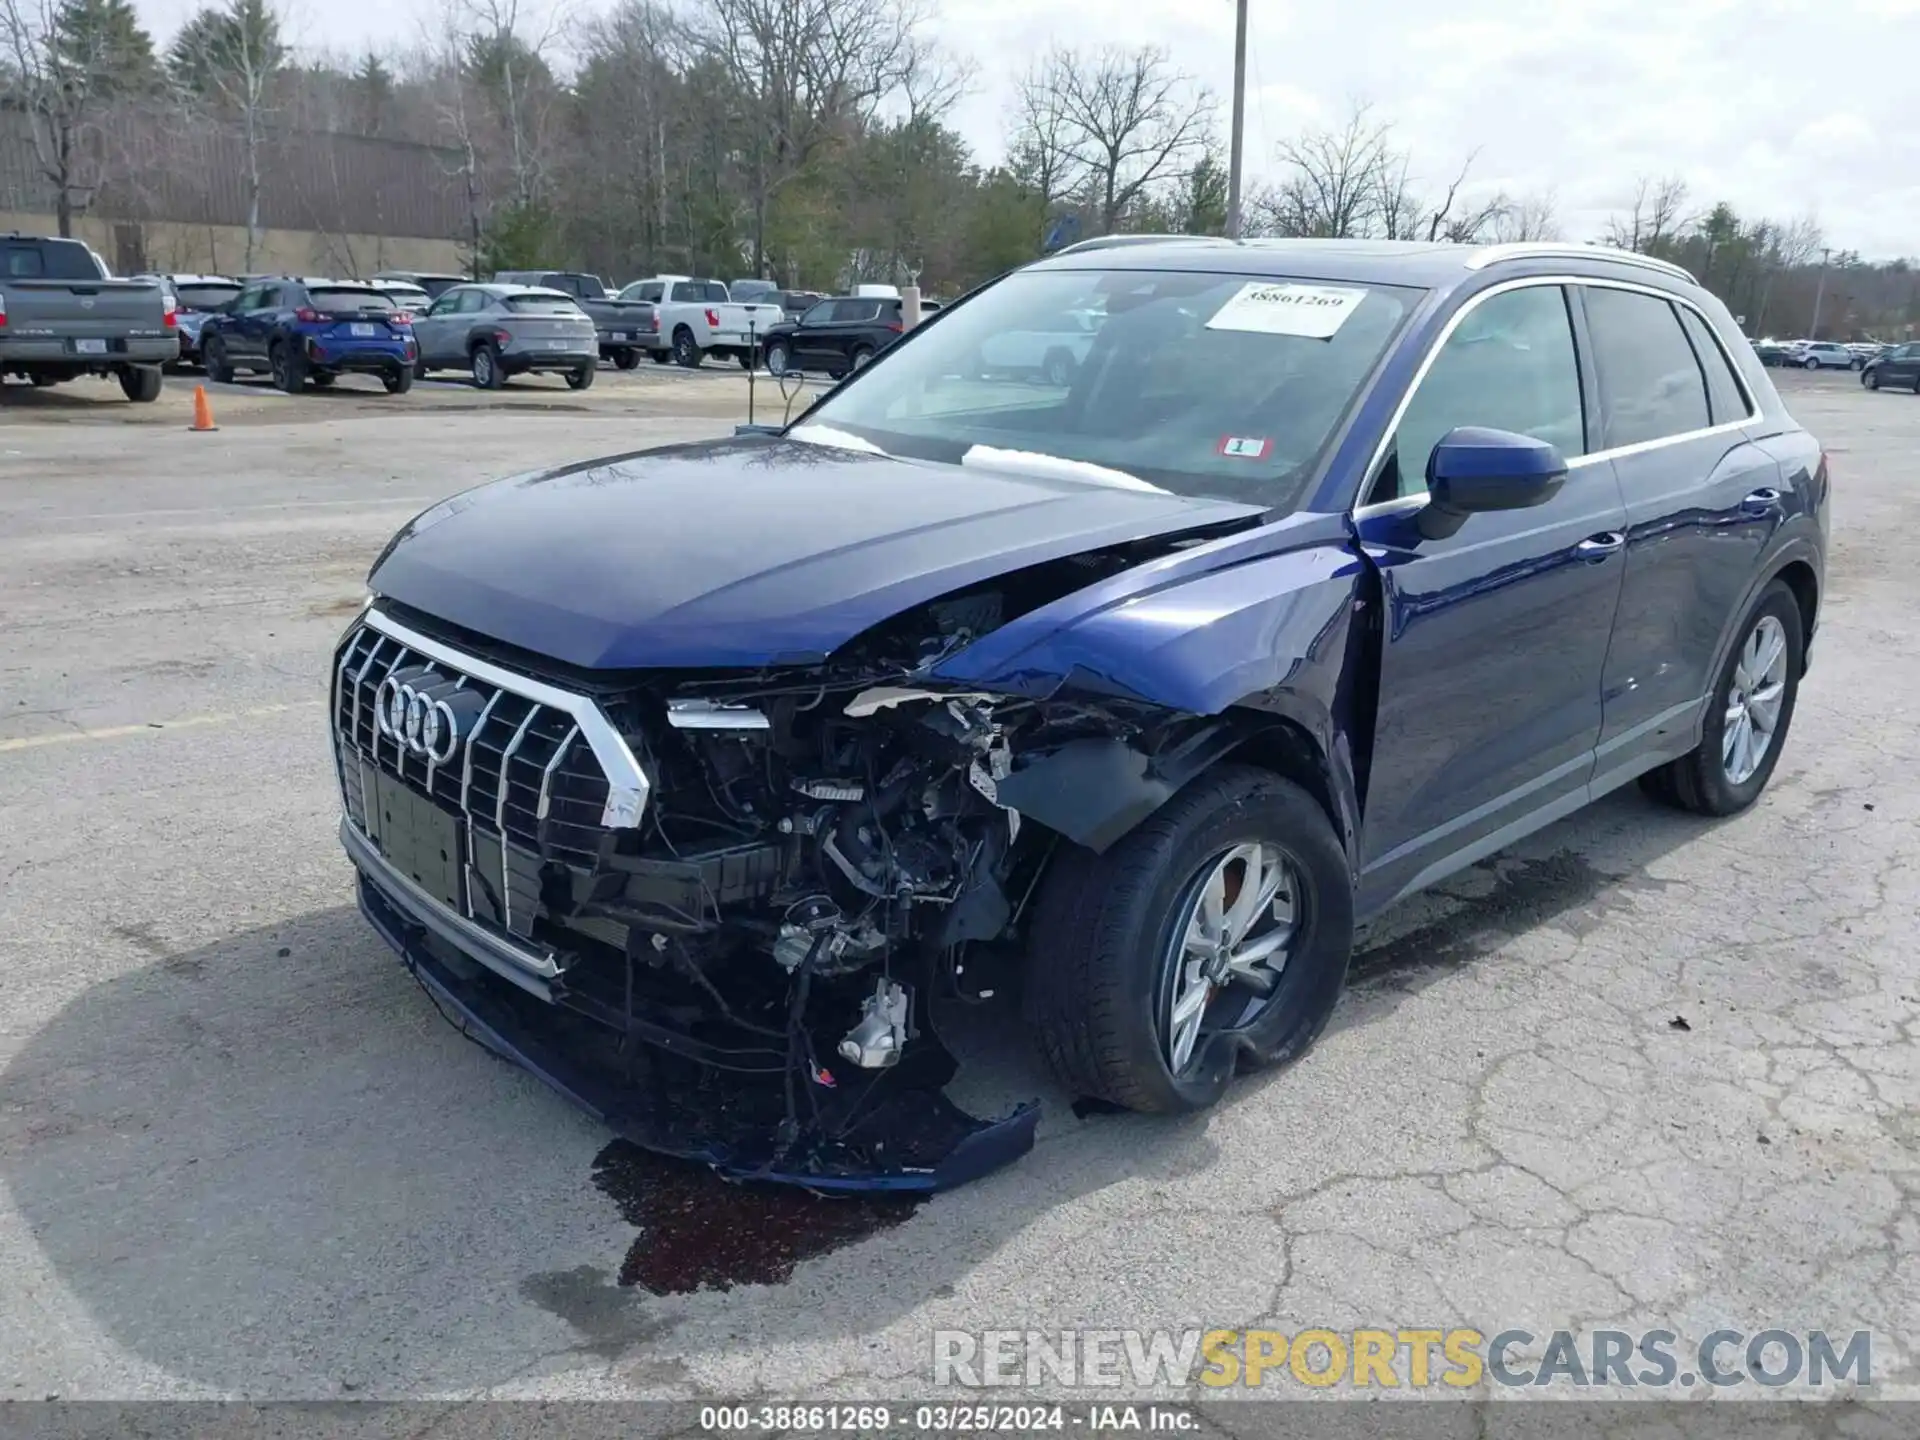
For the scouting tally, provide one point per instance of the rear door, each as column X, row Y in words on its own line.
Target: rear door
column 1495, row 637
column 1702, row 502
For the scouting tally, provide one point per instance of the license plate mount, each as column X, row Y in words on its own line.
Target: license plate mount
column 419, row 839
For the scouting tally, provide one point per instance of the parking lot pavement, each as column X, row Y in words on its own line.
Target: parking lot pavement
column 1641, row 1071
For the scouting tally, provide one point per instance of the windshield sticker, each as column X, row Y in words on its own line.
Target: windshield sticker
column 1241, row 447
column 1314, row 312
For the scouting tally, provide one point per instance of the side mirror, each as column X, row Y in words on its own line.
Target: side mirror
column 1475, row 468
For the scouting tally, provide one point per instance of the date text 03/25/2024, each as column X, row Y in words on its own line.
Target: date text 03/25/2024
column 942, row 1419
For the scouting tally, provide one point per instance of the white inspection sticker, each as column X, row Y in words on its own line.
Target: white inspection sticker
column 1315, row 312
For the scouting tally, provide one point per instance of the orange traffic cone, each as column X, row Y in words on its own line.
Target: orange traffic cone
column 202, row 410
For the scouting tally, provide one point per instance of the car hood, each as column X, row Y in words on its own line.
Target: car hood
column 744, row 552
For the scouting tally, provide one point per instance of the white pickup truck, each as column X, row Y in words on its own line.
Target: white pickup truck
column 695, row 318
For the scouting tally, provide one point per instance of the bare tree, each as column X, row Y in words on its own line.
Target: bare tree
column 1533, row 216
column 445, row 65
column 806, row 74
column 1333, row 182
column 63, row 95
column 230, row 57
column 1657, row 218
column 1119, row 123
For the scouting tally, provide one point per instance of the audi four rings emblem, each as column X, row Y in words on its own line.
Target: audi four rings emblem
column 425, row 712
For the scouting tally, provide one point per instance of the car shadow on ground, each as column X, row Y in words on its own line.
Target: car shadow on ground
column 267, row 1167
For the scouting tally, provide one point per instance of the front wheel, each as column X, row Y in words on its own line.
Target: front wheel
column 661, row 357
column 1216, row 933
column 779, row 358
column 580, row 379
column 1871, row 379
column 1747, row 716
column 862, row 355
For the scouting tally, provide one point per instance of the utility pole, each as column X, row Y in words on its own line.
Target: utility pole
column 1239, row 118
column 1819, row 294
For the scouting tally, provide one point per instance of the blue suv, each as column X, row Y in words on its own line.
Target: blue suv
column 311, row 331
column 704, row 780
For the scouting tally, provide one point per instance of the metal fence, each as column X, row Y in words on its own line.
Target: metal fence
column 165, row 166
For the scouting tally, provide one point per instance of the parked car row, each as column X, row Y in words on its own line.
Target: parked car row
column 1821, row 354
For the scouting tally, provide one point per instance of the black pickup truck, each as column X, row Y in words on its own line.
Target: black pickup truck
column 62, row 317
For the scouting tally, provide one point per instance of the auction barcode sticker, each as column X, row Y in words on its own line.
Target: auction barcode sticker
column 1314, row 312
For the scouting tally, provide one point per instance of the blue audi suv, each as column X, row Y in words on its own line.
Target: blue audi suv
column 704, row 781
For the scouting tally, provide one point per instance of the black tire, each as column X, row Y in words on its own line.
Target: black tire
column 582, row 378
column 40, row 380
column 215, row 351
column 419, row 369
column 289, row 374
column 398, row 380
column 779, row 358
column 686, row 354
column 1699, row 781
column 661, row 357
column 1870, row 379
column 1810, row 363
column 320, row 379
column 747, row 358
column 1059, row 369
column 862, row 356
column 485, row 365
column 626, row 359
column 1101, row 959
column 140, row 383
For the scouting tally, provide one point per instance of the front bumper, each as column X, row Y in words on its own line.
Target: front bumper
column 929, row 1144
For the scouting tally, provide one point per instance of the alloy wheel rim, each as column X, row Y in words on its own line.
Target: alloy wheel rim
column 1230, row 943
column 1754, row 701
column 482, row 366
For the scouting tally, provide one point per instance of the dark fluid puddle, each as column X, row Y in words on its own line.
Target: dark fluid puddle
column 699, row 1231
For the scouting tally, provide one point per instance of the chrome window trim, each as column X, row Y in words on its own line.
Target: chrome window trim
column 627, row 783
column 1578, row 462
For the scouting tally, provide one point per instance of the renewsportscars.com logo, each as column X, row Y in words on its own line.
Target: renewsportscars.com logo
column 1411, row 1358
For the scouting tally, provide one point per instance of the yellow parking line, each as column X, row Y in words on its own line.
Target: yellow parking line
column 118, row 732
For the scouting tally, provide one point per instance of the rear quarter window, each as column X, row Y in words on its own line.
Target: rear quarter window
column 1726, row 399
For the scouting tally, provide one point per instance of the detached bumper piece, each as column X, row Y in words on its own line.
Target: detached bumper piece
column 857, row 1131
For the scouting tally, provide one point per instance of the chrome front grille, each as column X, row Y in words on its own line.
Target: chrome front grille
column 528, row 774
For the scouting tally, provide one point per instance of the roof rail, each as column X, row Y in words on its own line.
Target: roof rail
column 1115, row 242
column 1486, row 255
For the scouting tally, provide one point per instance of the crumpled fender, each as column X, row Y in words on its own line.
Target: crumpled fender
column 1261, row 621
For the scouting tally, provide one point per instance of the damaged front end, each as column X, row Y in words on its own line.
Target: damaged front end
column 742, row 962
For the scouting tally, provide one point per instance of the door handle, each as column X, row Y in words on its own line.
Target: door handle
column 1762, row 500
column 1596, row 548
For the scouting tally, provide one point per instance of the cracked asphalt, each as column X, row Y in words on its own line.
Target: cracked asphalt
column 1641, row 1072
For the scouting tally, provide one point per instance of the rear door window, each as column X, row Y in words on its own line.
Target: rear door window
column 1726, row 400
column 1509, row 364
column 1652, row 385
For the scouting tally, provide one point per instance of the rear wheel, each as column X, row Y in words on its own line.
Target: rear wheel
column 215, row 353
column 686, row 354
column 487, row 374
column 1218, row 932
column 626, row 359
column 1747, row 718
column 289, row 374
column 398, row 380
column 140, row 383
column 580, row 379
column 1871, row 379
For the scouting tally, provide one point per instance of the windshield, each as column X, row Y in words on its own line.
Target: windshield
column 1202, row 384
column 324, row 297
column 542, row 305
column 204, row 297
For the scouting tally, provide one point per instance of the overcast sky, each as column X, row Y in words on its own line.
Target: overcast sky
column 1781, row 107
